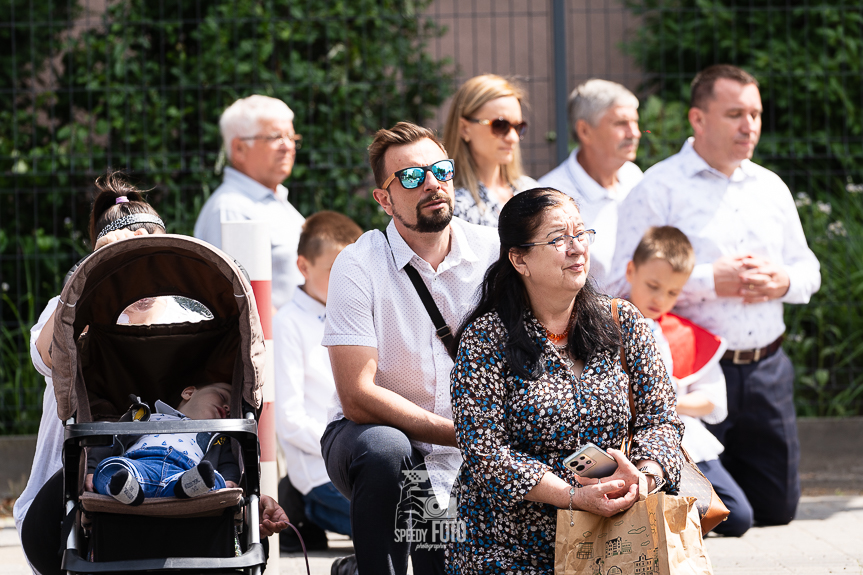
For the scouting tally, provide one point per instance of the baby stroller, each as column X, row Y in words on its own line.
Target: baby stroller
column 95, row 372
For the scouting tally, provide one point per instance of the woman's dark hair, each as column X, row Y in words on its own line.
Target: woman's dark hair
column 106, row 209
column 593, row 329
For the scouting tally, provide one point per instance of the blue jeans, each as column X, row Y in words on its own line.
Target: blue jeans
column 328, row 508
column 157, row 470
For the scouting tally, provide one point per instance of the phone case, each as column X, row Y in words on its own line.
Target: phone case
column 591, row 461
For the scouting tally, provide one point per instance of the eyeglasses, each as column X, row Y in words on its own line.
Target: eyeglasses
column 567, row 242
column 275, row 140
column 501, row 127
column 413, row 177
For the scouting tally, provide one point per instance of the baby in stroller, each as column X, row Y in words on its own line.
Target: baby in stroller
column 98, row 362
column 161, row 465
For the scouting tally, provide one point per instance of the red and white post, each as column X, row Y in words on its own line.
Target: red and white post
column 249, row 243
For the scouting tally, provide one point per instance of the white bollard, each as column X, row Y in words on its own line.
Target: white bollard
column 249, row 243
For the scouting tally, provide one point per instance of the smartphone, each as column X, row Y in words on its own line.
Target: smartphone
column 591, row 461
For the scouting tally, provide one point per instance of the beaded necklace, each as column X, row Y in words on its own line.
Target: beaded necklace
column 556, row 338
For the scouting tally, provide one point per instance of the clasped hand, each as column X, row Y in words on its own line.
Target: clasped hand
column 753, row 278
column 611, row 495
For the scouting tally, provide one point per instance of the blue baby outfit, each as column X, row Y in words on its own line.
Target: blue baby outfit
column 157, row 461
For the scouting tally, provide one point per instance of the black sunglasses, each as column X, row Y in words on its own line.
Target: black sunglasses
column 413, row 177
column 501, row 127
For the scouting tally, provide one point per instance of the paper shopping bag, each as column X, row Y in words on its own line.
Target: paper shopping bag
column 657, row 536
column 677, row 524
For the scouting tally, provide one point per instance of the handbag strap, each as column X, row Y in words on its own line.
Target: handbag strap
column 627, row 443
column 631, row 426
column 441, row 328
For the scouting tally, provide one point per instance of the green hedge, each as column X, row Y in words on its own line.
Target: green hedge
column 142, row 87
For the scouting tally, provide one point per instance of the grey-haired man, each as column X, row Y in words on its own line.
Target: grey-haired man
column 599, row 173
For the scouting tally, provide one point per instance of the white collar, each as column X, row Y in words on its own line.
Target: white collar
column 460, row 248
column 309, row 304
column 253, row 188
column 693, row 164
column 587, row 186
column 162, row 407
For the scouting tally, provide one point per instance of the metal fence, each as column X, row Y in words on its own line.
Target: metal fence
column 140, row 84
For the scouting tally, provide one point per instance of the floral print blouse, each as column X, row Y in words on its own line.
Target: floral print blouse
column 467, row 209
column 511, row 431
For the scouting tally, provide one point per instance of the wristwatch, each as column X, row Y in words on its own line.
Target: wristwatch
column 658, row 480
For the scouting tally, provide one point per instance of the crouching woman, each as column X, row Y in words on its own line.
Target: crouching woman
column 537, row 375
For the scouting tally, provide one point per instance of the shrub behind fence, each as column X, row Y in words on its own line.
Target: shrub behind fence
column 140, row 84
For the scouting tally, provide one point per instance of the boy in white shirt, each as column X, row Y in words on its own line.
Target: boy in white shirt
column 660, row 266
column 305, row 387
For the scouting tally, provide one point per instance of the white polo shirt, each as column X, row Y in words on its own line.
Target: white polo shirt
column 372, row 302
column 597, row 205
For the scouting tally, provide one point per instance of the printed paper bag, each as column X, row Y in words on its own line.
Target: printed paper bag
column 657, row 536
column 677, row 524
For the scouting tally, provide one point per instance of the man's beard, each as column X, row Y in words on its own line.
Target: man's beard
column 437, row 222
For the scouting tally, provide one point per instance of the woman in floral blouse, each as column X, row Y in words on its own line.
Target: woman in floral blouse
column 538, row 375
column 483, row 132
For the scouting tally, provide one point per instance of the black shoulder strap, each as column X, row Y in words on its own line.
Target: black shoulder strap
column 441, row 328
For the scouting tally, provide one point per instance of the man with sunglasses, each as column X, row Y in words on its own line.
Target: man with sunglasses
column 599, row 173
column 390, row 445
column 261, row 145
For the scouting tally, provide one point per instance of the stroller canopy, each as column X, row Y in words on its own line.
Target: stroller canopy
column 95, row 373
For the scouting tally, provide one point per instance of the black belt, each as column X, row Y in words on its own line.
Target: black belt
column 746, row 356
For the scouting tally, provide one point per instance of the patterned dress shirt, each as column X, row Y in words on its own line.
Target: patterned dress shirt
column 466, row 208
column 752, row 212
column 371, row 302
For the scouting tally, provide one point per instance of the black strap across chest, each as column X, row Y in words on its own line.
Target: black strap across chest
column 441, row 328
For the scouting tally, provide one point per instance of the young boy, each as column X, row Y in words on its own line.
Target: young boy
column 162, row 465
column 660, row 267
column 305, row 387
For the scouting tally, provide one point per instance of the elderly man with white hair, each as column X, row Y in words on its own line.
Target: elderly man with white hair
column 599, row 173
column 260, row 143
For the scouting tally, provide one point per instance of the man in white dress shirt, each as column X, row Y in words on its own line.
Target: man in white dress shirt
column 390, row 447
column 261, row 145
column 599, row 173
column 751, row 257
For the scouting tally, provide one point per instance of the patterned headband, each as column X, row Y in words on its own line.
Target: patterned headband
column 130, row 220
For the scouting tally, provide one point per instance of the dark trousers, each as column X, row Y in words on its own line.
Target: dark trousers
column 739, row 520
column 762, row 452
column 40, row 531
column 366, row 463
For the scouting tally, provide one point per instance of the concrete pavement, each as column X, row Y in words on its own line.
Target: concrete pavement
column 827, row 537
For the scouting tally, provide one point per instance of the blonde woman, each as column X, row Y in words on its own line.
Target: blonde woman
column 482, row 134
